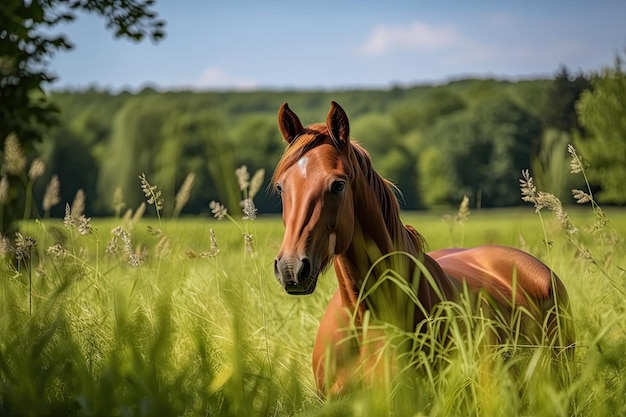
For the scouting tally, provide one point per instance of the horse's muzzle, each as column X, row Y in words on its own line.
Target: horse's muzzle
column 295, row 275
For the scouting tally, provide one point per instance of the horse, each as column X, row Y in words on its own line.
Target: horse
column 336, row 208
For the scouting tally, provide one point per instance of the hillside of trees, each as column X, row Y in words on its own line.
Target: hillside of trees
column 437, row 143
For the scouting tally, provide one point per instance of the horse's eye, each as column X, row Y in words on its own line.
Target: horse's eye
column 279, row 188
column 338, row 186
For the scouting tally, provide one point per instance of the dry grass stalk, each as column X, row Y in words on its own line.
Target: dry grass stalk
column 52, row 196
column 14, row 158
column 183, row 195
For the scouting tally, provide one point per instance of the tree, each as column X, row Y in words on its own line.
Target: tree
column 434, row 180
column 484, row 148
column 134, row 147
column 390, row 155
column 558, row 110
column 205, row 149
column 258, row 145
column 26, row 46
column 550, row 166
column 603, row 114
column 377, row 132
column 419, row 114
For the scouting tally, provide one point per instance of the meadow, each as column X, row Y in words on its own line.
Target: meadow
column 152, row 316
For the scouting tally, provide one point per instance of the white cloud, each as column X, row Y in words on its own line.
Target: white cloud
column 416, row 36
column 215, row 77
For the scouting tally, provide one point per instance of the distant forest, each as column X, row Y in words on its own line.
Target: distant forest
column 437, row 143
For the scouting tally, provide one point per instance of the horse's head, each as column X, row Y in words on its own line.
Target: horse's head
column 313, row 179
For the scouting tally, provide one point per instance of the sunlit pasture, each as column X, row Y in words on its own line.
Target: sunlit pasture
column 200, row 326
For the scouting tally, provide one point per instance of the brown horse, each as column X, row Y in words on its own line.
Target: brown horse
column 336, row 207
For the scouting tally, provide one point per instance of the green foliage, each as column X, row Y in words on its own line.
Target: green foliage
column 393, row 125
column 257, row 143
column 390, row 151
column 135, row 138
column 551, row 166
column 481, row 150
column 435, row 181
column 26, row 44
column 488, row 131
column 435, row 103
column 197, row 143
column 376, row 132
column 604, row 146
column 558, row 104
column 70, row 158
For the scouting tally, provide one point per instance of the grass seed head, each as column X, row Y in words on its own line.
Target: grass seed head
column 119, row 235
column 5, row 246
column 37, row 169
column 249, row 209
column 51, row 196
column 83, row 225
column 580, row 196
column 248, row 240
column 528, row 189
column 118, row 200
column 183, row 195
column 24, row 246
column 464, row 212
column 575, row 163
column 57, row 251
column 218, row 210
column 14, row 158
column 256, row 182
column 162, row 247
column 78, row 205
column 138, row 214
column 243, row 177
column 4, row 190
column 214, row 250
column 152, row 193
column 542, row 199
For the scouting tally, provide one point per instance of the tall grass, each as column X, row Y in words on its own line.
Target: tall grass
column 157, row 317
column 158, row 321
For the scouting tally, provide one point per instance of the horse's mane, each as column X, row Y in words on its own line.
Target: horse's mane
column 384, row 190
column 386, row 193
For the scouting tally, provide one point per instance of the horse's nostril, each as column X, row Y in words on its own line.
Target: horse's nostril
column 276, row 272
column 305, row 270
column 293, row 274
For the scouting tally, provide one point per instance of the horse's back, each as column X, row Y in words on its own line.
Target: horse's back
column 513, row 278
column 500, row 270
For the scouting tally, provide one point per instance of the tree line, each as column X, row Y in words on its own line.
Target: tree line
column 437, row 143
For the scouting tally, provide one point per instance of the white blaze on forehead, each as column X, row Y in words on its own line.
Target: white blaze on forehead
column 332, row 241
column 302, row 164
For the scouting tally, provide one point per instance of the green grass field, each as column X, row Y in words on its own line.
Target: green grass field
column 195, row 331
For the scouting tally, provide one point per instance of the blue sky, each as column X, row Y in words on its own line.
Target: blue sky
column 344, row 44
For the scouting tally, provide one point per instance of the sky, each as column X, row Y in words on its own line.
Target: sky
column 268, row 44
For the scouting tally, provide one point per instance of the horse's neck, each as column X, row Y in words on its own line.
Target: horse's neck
column 374, row 238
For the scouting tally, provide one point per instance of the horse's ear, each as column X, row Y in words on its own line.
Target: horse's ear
column 289, row 123
column 337, row 123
